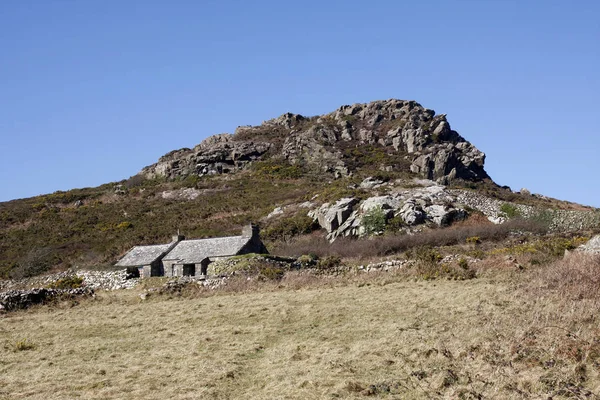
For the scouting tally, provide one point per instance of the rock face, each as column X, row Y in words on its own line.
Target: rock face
column 400, row 135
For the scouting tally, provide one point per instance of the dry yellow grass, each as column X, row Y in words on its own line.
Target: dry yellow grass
column 383, row 336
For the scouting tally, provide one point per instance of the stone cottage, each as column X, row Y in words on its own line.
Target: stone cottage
column 190, row 257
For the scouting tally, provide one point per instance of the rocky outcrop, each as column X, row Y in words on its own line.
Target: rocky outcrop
column 591, row 247
column 430, row 203
column 218, row 154
column 404, row 134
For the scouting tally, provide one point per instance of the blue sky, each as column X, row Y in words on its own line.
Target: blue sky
column 92, row 91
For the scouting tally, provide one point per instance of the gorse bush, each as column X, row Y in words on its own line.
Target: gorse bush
column 69, row 282
column 328, row 263
column 426, row 254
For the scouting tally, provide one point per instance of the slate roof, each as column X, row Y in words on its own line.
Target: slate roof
column 142, row 255
column 194, row 251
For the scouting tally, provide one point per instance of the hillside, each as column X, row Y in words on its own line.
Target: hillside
column 393, row 162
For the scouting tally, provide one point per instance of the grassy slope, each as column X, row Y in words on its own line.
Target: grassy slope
column 495, row 336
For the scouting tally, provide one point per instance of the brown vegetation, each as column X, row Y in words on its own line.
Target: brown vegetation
column 394, row 244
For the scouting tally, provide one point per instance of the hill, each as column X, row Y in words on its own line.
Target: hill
column 390, row 167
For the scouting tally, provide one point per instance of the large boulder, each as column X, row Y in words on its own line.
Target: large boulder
column 386, row 203
column 592, row 246
column 444, row 215
column 331, row 216
column 412, row 213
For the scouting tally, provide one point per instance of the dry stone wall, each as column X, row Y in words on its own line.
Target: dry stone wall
column 20, row 299
column 98, row 280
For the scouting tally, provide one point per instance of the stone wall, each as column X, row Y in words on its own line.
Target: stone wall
column 20, row 299
column 99, row 280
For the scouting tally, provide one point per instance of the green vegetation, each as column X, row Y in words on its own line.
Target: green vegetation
column 272, row 169
column 510, row 210
column 285, row 228
column 374, row 221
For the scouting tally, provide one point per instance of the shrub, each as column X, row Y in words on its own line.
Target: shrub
column 278, row 170
column 510, row 210
column 271, row 273
column 307, row 260
column 374, row 221
column 124, row 225
column 328, row 263
column 69, row 282
column 134, row 181
column 393, row 244
column 426, row 254
column 394, row 224
column 473, row 240
column 37, row 260
column 286, row 228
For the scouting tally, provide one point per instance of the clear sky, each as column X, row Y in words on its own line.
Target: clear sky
column 92, row 91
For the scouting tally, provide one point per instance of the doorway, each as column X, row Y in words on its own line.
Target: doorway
column 189, row 269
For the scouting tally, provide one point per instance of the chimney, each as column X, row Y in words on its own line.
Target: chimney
column 250, row 231
column 177, row 238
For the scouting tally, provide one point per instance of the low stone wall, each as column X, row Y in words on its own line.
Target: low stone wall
column 20, row 299
column 557, row 220
column 98, row 280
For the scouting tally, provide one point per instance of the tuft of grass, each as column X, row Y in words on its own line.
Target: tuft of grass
column 22, row 345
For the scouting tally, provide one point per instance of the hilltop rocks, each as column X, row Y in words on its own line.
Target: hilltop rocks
column 218, row 154
column 444, row 163
column 404, row 133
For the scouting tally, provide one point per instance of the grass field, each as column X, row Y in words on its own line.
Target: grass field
column 507, row 334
